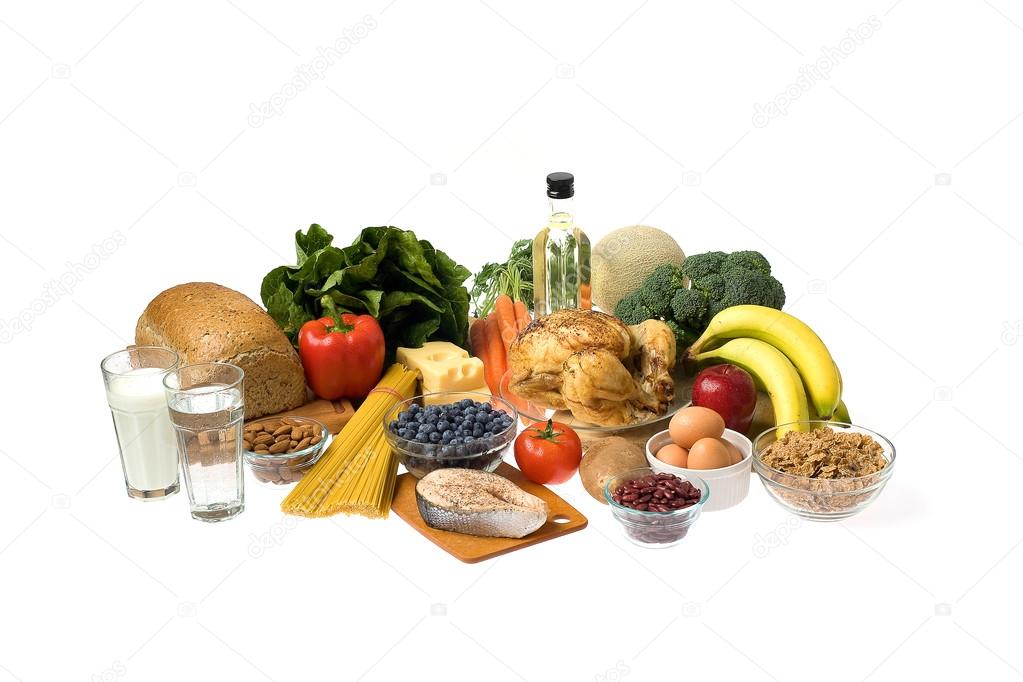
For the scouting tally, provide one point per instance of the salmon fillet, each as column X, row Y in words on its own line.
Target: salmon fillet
column 478, row 503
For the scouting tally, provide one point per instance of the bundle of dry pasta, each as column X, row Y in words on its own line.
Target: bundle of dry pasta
column 356, row 474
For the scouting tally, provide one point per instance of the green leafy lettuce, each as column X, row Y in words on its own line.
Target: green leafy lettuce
column 415, row 291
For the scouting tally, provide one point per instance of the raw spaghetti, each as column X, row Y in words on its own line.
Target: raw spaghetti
column 356, row 474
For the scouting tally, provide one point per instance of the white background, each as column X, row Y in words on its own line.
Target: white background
column 886, row 196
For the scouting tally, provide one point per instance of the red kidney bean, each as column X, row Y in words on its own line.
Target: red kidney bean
column 661, row 493
column 657, row 492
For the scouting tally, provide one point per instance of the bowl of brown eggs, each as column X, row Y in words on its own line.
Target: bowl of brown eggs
column 696, row 443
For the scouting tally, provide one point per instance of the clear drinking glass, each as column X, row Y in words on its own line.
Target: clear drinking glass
column 207, row 408
column 149, row 456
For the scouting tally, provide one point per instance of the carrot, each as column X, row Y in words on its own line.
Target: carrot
column 521, row 315
column 477, row 338
column 505, row 310
column 585, row 297
column 496, row 362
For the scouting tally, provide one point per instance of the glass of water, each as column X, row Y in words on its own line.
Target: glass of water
column 207, row 408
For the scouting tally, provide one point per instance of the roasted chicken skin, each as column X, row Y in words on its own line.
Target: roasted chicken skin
column 592, row 364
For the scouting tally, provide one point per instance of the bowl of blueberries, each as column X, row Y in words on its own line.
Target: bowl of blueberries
column 452, row 429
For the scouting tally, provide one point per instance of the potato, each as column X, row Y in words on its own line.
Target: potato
column 604, row 459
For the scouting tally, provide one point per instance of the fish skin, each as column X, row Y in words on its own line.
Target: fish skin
column 478, row 503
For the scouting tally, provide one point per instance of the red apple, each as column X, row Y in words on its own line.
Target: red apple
column 729, row 391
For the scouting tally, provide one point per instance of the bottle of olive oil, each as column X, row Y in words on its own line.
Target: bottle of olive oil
column 561, row 253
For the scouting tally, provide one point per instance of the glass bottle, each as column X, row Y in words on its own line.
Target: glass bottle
column 561, row 253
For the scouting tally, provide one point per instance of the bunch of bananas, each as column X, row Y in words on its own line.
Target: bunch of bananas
column 786, row 358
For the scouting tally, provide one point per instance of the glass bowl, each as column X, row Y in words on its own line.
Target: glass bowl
column 822, row 499
column 532, row 412
column 283, row 468
column 484, row 453
column 651, row 528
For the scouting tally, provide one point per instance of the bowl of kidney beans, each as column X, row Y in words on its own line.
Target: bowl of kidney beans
column 656, row 509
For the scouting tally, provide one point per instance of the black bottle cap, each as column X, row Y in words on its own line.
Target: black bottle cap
column 560, row 186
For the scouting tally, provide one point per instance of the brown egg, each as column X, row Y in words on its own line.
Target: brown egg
column 674, row 455
column 709, row 453
column 734, row 453
column 690, row 424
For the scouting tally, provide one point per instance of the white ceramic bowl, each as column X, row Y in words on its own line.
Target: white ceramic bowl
column 728, row 485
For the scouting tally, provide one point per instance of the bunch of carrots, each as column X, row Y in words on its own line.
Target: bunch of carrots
column 492, row 336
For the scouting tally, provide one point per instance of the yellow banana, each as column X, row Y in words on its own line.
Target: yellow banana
column 772, row 371
column 789, row 335
column 841, row 413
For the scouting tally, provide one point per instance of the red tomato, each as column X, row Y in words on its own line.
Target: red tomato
column 548, row 452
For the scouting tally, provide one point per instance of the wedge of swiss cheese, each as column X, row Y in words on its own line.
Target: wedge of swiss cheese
column 444, row 367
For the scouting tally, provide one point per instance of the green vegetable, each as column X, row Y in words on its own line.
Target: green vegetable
column 702, row 264
column 752, row 287
column 632, row 310
column 687, row 298
column 747, row 260
column 688, row 308
column 659, row 287
column 514, row 277
column 414, row 290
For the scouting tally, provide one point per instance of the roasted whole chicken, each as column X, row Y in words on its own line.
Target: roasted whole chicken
column 603, row 371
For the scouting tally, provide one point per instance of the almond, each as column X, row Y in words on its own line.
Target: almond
column 279, row 447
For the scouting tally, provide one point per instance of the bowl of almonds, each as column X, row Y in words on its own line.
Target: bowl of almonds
column 280, row 450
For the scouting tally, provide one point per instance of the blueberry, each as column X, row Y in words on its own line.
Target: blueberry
column 488, row 434
column 443, row 424
column 447, row 433
column 486, row 407
column 434, row 437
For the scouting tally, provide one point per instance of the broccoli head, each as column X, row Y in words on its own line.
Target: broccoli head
column 695, row 267
column 716, row 280
column 631, row 309
column 752, row 287
column 689, row 307
column 713, row 286
column 659, row 287
column 747, row 260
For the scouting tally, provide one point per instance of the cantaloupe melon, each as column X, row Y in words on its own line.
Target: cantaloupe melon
column 624, row 258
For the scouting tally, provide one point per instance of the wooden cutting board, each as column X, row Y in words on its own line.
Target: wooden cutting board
column 333, row 413
column 562, row 520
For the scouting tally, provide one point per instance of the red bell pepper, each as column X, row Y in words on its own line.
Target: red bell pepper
column 343, row 358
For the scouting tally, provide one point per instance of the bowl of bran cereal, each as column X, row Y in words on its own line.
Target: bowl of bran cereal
column 823, row 470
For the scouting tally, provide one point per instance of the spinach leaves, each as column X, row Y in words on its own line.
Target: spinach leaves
column 415, row 291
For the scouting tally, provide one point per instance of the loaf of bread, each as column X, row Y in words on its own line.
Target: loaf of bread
column 205, row 322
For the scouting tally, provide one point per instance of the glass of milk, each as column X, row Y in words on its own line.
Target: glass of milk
column 145, row 437
column 207, row 409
